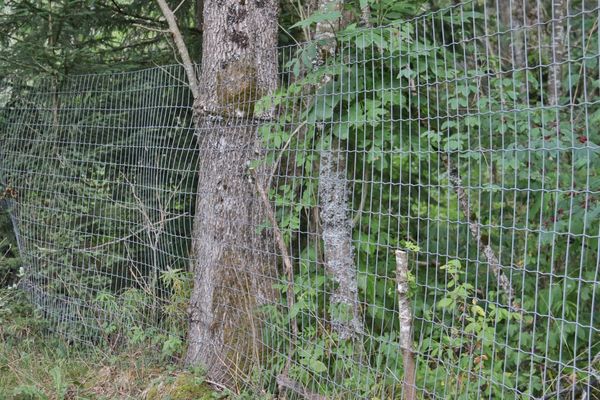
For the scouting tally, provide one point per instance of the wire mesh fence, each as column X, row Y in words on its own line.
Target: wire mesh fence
column 421, row 207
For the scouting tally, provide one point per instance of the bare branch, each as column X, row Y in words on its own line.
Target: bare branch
column 280, row 156
column 188, row 66
column 474, row 227
column 284, row 381
column 150, row 28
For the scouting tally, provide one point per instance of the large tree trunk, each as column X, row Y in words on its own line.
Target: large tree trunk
column 233, row 272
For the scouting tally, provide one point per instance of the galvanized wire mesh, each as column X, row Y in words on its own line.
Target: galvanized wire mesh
column 465, row 137
column 97, row 173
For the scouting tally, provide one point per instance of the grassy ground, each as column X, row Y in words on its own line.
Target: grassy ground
column 37, row 366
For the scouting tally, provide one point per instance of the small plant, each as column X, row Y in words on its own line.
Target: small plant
column 175, row 308
column 171, row 346
column 465, row 346
column 28, row 392
column 60, row 384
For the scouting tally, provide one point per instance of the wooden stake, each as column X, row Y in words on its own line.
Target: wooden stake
column 405, row 316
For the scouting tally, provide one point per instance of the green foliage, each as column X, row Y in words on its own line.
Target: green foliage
column 413, row 103
column 183, row 387
column 9, row 255
column 60, row 37
column 465, row 344
column 413, row 107
column 36, row 365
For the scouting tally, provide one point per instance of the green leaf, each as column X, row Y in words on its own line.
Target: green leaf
column 446, row 302
column 478, row 310
column 296, row 308
column 342, row 130
column 323, row 108
column 317, row 366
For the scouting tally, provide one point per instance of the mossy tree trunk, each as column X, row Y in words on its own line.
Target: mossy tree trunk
column 234, row 265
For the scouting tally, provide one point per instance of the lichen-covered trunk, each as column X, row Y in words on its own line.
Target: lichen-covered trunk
column 336, row 224
column 334, row 210
column 233, row 267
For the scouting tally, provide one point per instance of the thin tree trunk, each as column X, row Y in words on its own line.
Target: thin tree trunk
column 336, row 221
column 405, row 337
column 233, row 272
column 336, row 224
column 517, row 22
column 557, row 53
column 365, row 16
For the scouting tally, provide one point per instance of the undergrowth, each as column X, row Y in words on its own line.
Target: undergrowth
column 37, row 365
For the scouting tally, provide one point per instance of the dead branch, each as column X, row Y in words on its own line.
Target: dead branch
column 152, row 227
column 474, row 228
column 280, row 156
column 188, row 66
column 284, row 381
column 406, row 318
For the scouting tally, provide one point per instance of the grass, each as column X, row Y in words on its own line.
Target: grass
column 36, row 365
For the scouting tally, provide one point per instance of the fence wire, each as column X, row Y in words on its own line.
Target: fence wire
column 433, row 183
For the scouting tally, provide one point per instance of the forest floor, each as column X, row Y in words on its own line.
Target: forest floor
column 35, row 365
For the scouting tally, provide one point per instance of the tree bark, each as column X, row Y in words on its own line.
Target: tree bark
column 405, row 336
column 336, row 221
column 517, row 25
column 198, row 10
column 233, row 272
column 336, row 225
column 557, row 53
